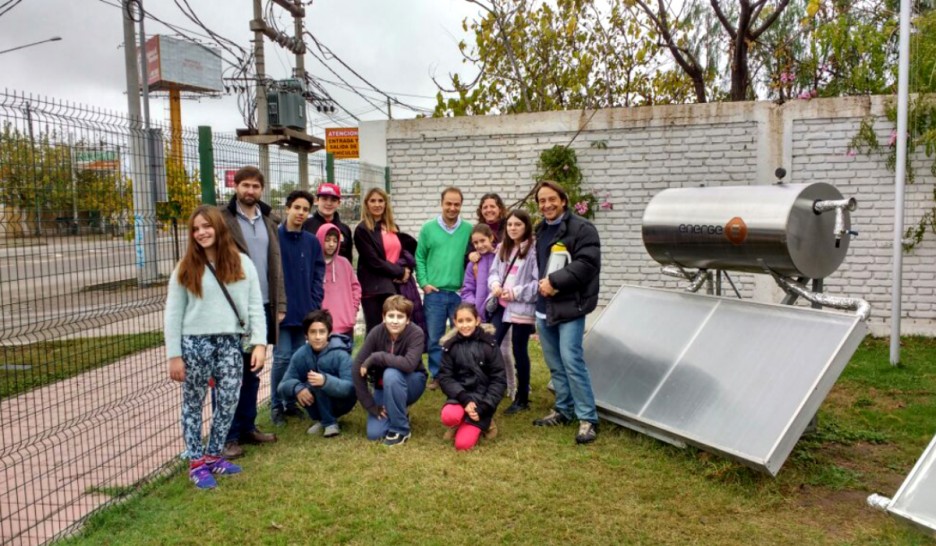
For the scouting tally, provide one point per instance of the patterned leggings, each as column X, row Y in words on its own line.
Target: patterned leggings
column 217, row 356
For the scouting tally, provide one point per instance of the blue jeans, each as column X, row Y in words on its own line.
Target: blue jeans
column 562, row 350
column 291, row 338
column 325, row 408
column 439, row 308
column 400, row 390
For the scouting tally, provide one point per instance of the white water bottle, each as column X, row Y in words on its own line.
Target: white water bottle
column 559, row 257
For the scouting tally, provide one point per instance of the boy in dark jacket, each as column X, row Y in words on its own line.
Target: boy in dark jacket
column 304, row 273
column 319, row 375
column 390, row 361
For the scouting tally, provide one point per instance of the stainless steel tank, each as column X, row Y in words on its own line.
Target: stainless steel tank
column 743, row 228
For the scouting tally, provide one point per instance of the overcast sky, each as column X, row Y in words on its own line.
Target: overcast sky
column 396, row 44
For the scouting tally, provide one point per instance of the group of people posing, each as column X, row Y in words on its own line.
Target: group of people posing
column 249, row 290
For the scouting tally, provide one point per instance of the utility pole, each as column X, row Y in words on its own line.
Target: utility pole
column 263, row 121
column 287, row 134
column 144, row 213
column 302, row 155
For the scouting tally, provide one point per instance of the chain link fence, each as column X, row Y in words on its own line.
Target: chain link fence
column 89, row 232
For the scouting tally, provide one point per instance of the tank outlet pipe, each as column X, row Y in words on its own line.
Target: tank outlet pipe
column 699, row 280
column 861, row 307
column 839, row 206
column 879, row 502
column 695, row 281
column 674, row 271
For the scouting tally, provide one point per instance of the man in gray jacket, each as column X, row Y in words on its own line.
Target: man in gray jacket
column 254, row 231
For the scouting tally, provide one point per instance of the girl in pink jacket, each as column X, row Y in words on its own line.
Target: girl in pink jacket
column 342, row 289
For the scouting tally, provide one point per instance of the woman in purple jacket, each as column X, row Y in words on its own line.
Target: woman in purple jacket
column 514, row 281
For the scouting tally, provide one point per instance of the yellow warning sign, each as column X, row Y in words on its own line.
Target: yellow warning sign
column 342, row 142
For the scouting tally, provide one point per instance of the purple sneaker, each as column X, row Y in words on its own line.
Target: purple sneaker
column 223, row 466
column 202, row 478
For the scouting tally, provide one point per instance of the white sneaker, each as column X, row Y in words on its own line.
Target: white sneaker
column 315, row 429
column 332, row 430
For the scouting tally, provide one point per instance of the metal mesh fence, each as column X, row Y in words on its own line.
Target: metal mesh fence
column 87, row 411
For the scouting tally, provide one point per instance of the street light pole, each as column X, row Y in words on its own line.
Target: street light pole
column 52, row 39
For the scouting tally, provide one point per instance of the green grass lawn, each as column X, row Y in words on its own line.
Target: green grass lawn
column 46, row 362
column 535, row 486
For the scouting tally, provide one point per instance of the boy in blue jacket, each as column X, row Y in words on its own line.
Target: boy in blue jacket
column 303, row 277
column 319, row 375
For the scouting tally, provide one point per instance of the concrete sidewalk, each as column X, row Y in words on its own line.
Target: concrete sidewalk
column 63, row 447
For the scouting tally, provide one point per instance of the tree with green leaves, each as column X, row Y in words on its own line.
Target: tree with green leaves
column 535, row 56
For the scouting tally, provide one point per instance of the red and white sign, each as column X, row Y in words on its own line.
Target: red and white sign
column 229, row 179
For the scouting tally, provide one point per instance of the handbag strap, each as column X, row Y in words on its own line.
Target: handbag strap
column 227, row 295
column 510, row 266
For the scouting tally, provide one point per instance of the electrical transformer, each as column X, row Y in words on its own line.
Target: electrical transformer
column 286, row 109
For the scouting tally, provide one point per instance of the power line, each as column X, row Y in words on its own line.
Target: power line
column 328, row 52
column 7, row 3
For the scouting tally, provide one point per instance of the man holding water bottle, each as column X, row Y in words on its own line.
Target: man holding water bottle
column 568, row 252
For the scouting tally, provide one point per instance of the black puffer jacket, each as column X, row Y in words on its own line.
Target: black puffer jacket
column 473, row 371
column 577, row 282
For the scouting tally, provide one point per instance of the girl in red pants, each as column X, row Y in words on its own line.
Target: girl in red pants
column 472, row 377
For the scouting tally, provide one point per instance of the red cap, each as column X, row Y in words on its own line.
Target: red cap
column 329, row 189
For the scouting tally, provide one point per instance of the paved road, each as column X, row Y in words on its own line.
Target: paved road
column 44, row 289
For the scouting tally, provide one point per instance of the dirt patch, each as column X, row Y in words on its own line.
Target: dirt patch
column 872, row 461
column 837, row 513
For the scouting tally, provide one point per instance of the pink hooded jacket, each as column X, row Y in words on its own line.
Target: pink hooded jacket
column 342, row 289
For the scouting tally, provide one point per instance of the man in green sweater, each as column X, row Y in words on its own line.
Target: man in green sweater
column 440, row 269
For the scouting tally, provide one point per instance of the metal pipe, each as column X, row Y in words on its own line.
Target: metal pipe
column 698, row 281
column 673, row 271
column 878, row 502
column 861, row 307
column 900, row 172
column 839, row 206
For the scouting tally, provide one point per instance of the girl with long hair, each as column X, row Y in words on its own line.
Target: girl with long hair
column 213, row 300
column 514, row 281
column 382, row 256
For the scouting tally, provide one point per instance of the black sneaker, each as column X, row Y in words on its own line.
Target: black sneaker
column 278, row 417
column 395, row 439
column 552, row 419
column 587, row 433
column 517, row 407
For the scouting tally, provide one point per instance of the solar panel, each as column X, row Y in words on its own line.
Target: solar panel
column 915, row 501
column 738, row 378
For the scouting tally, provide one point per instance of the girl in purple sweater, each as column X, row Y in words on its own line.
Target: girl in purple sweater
column 475, row 286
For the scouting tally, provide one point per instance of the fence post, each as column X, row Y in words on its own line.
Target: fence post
column 330, row 167
column 386, row 179
column 206, row 165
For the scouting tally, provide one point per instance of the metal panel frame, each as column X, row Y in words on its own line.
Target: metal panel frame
column 927, row 459
column 792, row 431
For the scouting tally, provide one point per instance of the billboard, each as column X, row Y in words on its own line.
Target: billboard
column 229, row 179
column 342, row 142
column 186, row 65
column 95, row 158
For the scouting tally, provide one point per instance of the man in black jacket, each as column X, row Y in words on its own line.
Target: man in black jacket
column 568, row 290
column 327, row 200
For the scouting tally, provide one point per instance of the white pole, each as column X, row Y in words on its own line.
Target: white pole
column 903, row 87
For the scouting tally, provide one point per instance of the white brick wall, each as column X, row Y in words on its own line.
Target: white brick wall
column 650, row 149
